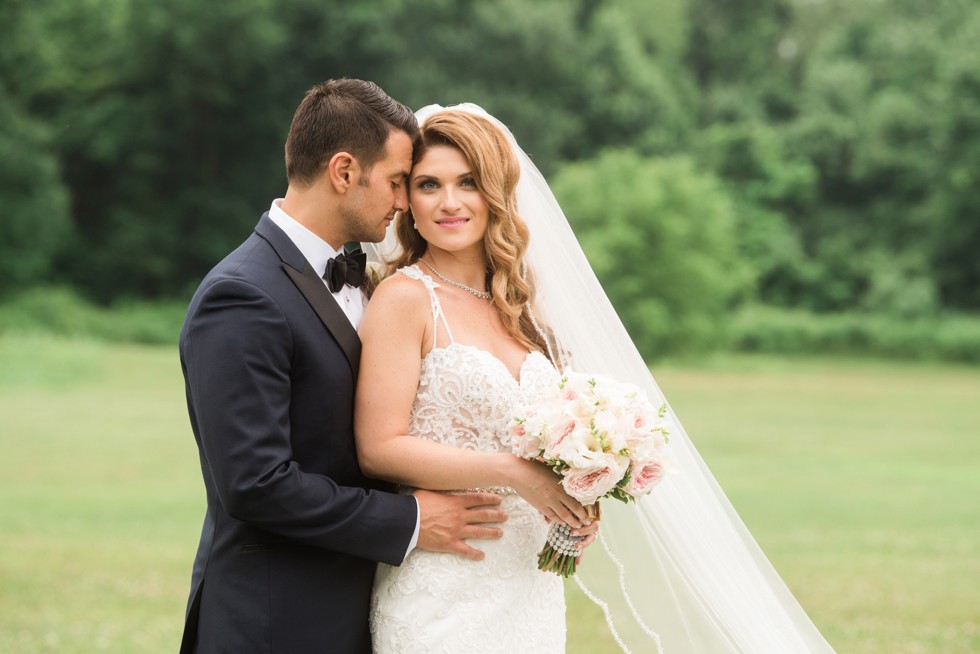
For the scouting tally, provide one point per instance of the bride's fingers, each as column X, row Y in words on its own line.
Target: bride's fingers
column 571, row 512
column 578, row 510
column 568, row 509
column 565, row 514
column 587, row 530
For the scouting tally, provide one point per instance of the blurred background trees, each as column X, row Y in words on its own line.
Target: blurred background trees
column 818, row 156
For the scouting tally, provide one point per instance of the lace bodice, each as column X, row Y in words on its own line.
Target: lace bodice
column 467, row 397
column 442, row 602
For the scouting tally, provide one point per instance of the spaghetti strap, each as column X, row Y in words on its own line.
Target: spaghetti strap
column 414, row 272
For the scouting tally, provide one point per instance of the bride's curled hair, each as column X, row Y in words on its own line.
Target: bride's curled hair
column 496, row 172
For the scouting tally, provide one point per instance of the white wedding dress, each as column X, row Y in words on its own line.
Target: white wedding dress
column 443, row 603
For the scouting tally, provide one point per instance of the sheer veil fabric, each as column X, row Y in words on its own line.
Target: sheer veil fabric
column 678, row 571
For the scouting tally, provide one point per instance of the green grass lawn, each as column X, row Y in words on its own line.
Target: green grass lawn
column 859, row 479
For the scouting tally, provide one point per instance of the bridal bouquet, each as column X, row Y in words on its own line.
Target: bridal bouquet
column 603, row 437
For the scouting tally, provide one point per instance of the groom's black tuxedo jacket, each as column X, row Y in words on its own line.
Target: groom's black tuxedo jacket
column 293, row 530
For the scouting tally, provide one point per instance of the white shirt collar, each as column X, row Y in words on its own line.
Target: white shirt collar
column 312, row 247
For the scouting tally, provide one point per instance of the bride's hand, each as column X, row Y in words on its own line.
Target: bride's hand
column 589, row 533
column 539, row 485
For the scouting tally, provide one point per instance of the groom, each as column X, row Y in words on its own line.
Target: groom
column 293, row 530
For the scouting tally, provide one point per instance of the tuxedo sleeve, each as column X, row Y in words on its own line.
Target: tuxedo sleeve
column 236, row 350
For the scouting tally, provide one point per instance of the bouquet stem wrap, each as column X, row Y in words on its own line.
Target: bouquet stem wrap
column 561, row 552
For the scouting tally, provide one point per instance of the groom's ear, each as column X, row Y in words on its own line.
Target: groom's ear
column 343, row 171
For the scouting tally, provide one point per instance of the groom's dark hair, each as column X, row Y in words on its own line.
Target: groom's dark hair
column 343, row 115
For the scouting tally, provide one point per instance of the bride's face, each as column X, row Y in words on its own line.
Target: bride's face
column 449, row 210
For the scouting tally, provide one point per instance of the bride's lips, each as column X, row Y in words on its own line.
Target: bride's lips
column 455, row 221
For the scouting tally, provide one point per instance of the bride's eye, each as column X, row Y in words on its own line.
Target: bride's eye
column 468, row 182
column 426, row 185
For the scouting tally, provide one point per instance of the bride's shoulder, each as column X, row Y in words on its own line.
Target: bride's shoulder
column 402, row 291
column 411, row 272
column 399, row 306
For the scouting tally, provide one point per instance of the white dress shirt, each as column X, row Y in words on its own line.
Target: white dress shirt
column 318, row 252
column 351, row 300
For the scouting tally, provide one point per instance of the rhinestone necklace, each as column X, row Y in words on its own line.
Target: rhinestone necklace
column 483, row 295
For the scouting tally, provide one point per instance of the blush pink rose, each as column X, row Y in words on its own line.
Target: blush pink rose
column 590, row 483
column 557, row 437
column 646, row 475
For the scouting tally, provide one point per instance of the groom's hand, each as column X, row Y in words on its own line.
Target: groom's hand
column 445, row 521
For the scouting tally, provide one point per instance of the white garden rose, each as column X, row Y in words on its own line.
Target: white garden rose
column 580, row 447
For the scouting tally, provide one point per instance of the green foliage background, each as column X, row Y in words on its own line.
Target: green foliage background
column 802, row 155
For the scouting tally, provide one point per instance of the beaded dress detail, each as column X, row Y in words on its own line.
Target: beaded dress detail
column 437, row 603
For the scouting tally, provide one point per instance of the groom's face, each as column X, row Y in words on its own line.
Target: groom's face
column 380, row 192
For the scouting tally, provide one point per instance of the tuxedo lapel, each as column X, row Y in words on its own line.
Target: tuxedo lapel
column 313, row 289
column 329, row 312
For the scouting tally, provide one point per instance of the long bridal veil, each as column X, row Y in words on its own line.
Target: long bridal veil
column 678, row 572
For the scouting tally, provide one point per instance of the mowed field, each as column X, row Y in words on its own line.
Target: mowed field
column 859, row 479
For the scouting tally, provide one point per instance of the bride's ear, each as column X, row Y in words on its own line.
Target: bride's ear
column 343, row 171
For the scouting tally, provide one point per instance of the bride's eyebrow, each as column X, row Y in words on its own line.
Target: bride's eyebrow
column 434, row 178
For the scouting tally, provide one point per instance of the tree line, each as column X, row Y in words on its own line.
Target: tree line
column 808, row 154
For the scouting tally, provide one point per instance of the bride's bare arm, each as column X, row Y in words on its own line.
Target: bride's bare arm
column 395, row 330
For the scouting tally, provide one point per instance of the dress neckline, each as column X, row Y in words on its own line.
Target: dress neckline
column 416, row 272
column 520, row 371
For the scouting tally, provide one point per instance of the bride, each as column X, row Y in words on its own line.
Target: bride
column 449, row 356
column 488, row 298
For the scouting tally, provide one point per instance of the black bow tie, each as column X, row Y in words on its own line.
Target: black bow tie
column 345, row 268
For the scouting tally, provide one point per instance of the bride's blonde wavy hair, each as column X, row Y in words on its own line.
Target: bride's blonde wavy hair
column 496, row 172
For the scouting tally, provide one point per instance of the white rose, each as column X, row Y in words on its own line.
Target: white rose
column 581, row 408
column 558, row 433
column 648, row 445
column 580, row 448
column 605, row 422
column 577, row 382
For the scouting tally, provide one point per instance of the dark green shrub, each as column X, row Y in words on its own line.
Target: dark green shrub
column 660, row 235
column 62, row 312
column 772, row 330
